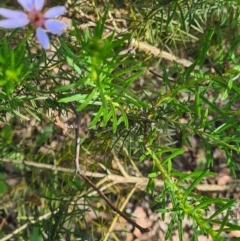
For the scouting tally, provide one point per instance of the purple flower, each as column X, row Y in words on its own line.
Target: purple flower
column 41, row 20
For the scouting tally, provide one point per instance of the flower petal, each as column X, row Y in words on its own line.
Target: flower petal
column 13, row 23
column 55, row 26
column 27, row 4
column 12, row 14
column 38, row 4
column 43, row 38
column 54, row 12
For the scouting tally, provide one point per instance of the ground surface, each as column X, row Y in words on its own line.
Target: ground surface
column 107, row 160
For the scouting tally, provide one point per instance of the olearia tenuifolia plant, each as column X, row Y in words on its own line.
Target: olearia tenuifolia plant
column 100, row 82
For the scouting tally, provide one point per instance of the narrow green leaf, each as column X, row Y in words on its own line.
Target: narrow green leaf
column 228, row 227
column 205, row 203
column 63, row 88
column 154, row 174
column 89, row 98
column 20, row 115
column 194, row 184
column 197, row 103
column 193, row 175
column 222, row 209
column 114, row 116
column 224, row 95
column 150, row 186
column 74, row 97
column 204, row 118
column 213, row 107
column 74, row 65
column 124, row 116
column 128, row 81
column 225, row 126
column 205, row 48
column 224, row 221
column 32, row 114
column 180, row 229
column 171, row 226
column 174, row 154
column 3, row 185
column 34, row 236
column 97, row 117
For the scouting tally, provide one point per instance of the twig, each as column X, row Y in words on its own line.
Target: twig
column 89, row 182
column 141, row 181
column 77, row 143
column 159, row 76
column 77, row 138
column 85, row 178
column 121, row 209
column 126, row 153
column 147, row 48
column 102, row 195
column 119, row 165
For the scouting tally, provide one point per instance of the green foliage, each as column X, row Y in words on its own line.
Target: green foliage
column 10, row 67
column 104, row 80
column 131, row 115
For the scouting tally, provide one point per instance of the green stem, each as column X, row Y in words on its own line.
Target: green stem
column 188, row 209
